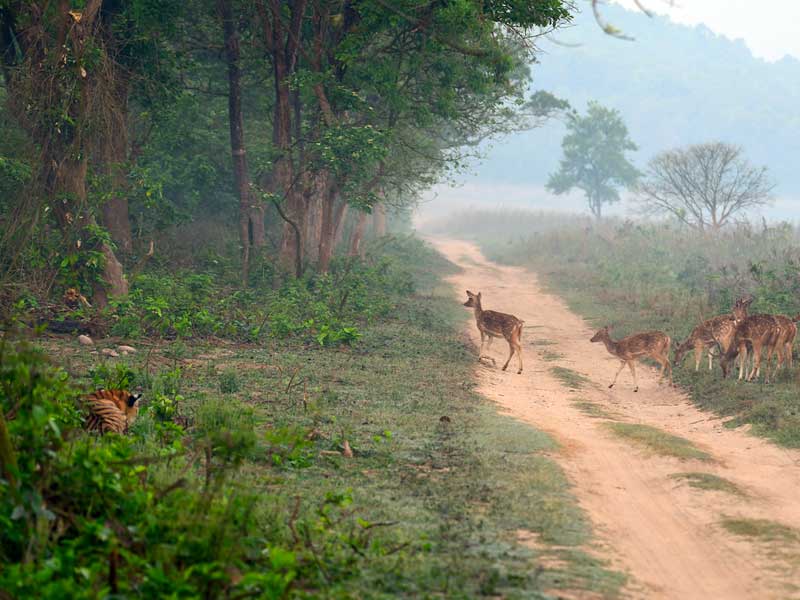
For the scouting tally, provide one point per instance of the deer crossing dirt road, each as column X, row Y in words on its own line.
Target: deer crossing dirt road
column 666, row 535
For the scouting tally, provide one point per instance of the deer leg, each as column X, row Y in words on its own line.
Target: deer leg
column 510, row 354
column 633, row 370
column 488, row 344
column 621, row 366
column 755, row 370
column 519, row 357
column 710, row 359
column 698, row 356
column 742, row 359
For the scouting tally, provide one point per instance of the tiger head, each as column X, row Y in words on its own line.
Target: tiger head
column 132, row 407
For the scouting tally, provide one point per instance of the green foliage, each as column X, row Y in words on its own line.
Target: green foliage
column 331, row 337
column 229, row 382
column 594, row 158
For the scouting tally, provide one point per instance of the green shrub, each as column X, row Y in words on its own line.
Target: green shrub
column 229, row 382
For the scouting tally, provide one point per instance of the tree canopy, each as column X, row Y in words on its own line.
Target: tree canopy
column 299, row 118
column 594, row 159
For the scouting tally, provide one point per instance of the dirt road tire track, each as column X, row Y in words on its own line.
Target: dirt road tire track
column 665, row 534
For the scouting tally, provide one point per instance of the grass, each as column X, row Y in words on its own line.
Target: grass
column 763, row 530
column 658, row 441
column 449, row 478
column 550, row 356
column 592, row 409
column 641, row 276
column 570, row 378
column 710, row 482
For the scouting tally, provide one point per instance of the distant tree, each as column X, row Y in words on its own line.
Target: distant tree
column 704, row 185
column 594, row 158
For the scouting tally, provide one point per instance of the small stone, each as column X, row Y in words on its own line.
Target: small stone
column 85, row 340
column 109, row 352
column 126, row 349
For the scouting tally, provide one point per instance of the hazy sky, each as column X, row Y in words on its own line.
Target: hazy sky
column 770, row 28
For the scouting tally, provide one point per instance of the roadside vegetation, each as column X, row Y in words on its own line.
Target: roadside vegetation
column 286, row 466
column 638, row 276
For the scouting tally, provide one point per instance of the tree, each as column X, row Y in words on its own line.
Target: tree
column 705, row 185
column 594, row 158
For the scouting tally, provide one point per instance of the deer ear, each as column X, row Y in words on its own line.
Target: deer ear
column 132, row 400
column 479, row 295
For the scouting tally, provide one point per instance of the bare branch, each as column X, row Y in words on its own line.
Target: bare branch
column 704, row 185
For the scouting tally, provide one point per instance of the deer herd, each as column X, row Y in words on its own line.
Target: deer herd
column 733, row 338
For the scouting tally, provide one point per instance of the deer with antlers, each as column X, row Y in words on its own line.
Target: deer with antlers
column 650, row 344
column 492, row 324
column 718, row 331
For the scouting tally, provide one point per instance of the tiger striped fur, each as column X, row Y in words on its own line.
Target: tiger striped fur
column 111, row 410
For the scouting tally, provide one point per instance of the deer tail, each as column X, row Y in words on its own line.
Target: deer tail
column 519, row 328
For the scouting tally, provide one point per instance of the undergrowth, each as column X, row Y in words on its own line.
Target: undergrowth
column 235, row 480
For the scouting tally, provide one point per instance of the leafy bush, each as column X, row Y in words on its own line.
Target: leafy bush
column 229, row 382
column 156, row 515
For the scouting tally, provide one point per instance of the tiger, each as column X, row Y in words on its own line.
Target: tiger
column 111, row 410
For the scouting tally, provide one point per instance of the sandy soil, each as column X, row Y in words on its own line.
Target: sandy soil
column 665, row 534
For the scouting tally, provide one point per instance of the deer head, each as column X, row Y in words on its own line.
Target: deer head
column 473, row 299
column 740, row 308
column 602, row 334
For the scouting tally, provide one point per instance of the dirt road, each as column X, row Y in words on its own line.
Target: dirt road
column 664, row 533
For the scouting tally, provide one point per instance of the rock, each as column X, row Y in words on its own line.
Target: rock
column 85, row 340
column 109, row 352
column 126, row 349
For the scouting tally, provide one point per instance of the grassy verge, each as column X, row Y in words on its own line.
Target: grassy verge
column 593, row 409
column 377, row 460
column 570, row 378
column 709, row 482
column 641, row 276
column 657, row 441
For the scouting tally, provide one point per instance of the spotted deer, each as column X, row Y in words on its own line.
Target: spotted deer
column 718, row 331
column 492, row 324
column 650, row 344
column 782, row 342
column 758, row 334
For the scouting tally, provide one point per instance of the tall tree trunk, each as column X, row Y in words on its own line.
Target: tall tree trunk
column 333, row 216
column 283, row 42
column 112, row 150
column 379, row 217
column 341, row 219
column 115, row 217
column 66, row 186
column 58, row 88
column 358, row 234
column 247, row 214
